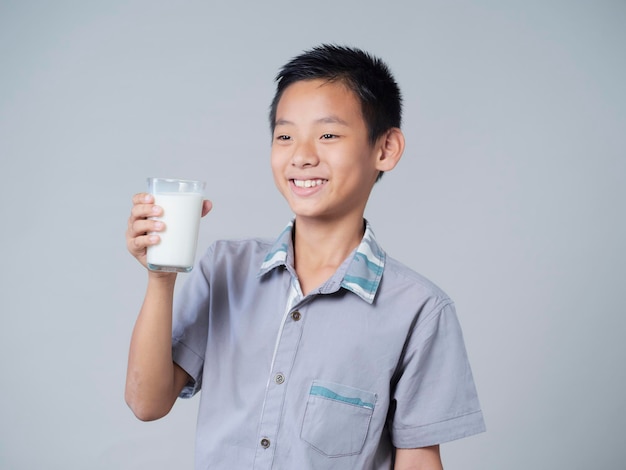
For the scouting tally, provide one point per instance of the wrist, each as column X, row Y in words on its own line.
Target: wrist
column 161, row 278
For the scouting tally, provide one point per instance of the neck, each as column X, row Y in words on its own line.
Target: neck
column 320, row 248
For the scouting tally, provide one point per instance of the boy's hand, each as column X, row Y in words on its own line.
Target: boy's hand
column 138, row 238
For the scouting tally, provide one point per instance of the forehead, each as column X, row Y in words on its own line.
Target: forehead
column 318, row 97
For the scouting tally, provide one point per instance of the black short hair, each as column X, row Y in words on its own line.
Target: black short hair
column 367, row 76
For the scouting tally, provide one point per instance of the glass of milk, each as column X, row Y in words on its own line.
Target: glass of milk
column 181, row 201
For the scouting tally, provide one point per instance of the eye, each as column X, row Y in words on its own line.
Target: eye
column 328, row 136
column 283, row 137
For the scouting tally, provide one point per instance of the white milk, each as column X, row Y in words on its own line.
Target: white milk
column 177, row 249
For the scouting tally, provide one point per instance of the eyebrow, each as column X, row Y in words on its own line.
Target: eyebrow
column 332, row 119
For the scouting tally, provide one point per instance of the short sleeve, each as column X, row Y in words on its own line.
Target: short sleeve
column 434, row 397
column 190, row 324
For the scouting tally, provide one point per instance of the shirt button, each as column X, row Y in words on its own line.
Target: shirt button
column 279, row 379
column 296, row 316
column 265, row 443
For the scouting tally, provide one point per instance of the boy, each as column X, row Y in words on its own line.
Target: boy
column 316, row 351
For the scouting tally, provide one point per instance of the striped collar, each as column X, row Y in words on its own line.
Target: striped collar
column 361, row 275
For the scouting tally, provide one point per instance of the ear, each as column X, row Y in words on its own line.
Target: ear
column 390, row 149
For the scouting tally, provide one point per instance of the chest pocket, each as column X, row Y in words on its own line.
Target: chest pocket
column 337, row 418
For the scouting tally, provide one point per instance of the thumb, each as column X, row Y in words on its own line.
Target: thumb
column 206, row 207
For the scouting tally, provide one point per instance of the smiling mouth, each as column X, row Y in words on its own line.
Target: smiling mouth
column 308, row 183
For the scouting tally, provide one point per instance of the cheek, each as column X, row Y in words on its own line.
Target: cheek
column 274, row 161
column 278, row 154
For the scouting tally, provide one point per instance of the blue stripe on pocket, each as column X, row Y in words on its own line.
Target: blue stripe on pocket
column 324, row 392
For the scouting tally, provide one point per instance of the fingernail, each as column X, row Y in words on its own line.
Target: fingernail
column 158, row 225
column 153, row 238
column 155, row 209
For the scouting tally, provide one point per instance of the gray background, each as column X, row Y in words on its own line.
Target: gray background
column 510, row 196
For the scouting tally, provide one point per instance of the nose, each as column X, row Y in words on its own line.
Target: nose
column 304, row 155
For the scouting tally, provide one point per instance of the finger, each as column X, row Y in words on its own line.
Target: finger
column 143, row 204
column 138, row 245
column 143, row 226
column 143, row 198
column 142, row 211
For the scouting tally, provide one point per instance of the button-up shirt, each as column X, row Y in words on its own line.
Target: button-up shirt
column 371, row 360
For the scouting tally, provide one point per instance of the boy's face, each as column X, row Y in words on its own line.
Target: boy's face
column 322, row 160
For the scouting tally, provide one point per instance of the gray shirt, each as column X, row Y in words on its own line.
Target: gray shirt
column 371, row 360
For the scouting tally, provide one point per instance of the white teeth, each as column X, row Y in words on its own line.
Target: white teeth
column 308, row 183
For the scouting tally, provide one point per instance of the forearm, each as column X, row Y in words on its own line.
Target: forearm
column 425, row 458
column 150, row 383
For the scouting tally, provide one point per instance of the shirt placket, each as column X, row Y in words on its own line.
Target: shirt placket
column 278, row 381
